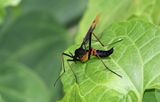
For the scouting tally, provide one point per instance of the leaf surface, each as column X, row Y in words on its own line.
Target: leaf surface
column 35, row 40
column 19, row 84
column 136, row 58
column 111, row 11
column 4, row 4
column 63, row 11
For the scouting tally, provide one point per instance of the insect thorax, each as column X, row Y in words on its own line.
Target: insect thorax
column 80, row 52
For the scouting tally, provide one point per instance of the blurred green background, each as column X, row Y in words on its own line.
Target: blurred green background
column 33, row 34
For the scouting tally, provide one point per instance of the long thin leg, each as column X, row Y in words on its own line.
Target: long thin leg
column 62, row 59
column 108, row 68
column 98, row 39
column 67, row 55
column 90, row 45
column 119, row 40
column 72, row 69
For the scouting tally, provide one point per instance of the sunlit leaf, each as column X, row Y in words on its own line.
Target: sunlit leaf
column 136, row 58
column 4, row 4
column 111, row 11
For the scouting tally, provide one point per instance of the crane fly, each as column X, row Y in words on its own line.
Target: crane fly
column 82, row 54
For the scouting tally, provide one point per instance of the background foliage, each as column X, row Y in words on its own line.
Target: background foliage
column 34, row 33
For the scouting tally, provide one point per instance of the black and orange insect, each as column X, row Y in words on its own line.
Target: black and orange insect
column 83, row 54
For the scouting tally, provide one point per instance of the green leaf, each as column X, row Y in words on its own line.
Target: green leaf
column 136, row 58
column 155, row 16
column 4, row 4
column 150, row 96
column 157, row 94
column 117, row 10
column 19, row 84
column 63, row 11
column 36, row 40
column 73, row 95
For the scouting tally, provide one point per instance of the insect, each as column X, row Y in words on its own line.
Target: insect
column 83, row 54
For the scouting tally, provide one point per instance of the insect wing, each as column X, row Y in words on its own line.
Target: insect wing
column 90, row 31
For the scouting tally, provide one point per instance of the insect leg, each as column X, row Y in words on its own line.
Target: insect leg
column 68, row 60
column 67, row 55
column 90, row 45
column 108, row 68
column 98, row 39
column 119, row 40
column 62, row 59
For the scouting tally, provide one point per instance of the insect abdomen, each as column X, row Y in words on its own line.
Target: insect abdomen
column 102, row 53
